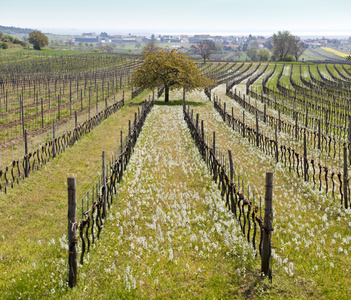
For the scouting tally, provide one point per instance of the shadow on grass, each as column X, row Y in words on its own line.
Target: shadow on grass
column 178, row 102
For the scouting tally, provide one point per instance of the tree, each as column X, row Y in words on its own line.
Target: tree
column 169, row 68
column 4, row 45
column 138, row 45
column 252, row 53
column 205, row 48
column 282, row 44
column 219, row 47
column 38, row 39
column 150, row 46
column 348, row 58
column 263, row 55
column 298, row 47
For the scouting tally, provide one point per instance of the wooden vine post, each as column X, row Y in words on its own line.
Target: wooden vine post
column 305, row 161
column 267, row 229
column 26, row 159
column 345, row 178
column 72, row 238
column 104, row 190
column 53, row 139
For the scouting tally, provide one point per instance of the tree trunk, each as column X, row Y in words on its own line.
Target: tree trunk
column 166, row 93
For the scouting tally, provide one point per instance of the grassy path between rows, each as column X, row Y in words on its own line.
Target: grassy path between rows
column 169, row 235
column 311, row 238
column 33, row 215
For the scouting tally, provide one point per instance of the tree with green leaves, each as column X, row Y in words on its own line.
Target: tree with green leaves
column 263, row 55
column 170, row 68
column 252, row 53
column 38, row 39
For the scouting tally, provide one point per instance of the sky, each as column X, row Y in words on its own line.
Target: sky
column 226, row 17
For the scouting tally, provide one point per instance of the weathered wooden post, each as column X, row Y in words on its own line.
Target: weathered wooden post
column 305, row 161
column 72, row 238
column 279, row 121
column 197, row 122
column 214, row 143
column 53, row 139
column 243, row 123
column 202, row 130
column 233, row 117
column 268, row 223
column 319, row 134
column 104, row 190
column 296, row 126
column 257, row 132
column 264, row 113
column 22, row 113
column 26, row 161
column 89, row 103
column 345, row 178
column 276, row 143
column 42, row 113
column 75, row 119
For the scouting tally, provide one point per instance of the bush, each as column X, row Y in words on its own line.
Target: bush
column 7, row 39
column 289, row 58
column 4, row 45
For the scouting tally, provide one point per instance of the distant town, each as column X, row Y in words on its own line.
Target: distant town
column 229, row 42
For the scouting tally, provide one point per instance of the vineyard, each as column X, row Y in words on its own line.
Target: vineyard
column 170, row 197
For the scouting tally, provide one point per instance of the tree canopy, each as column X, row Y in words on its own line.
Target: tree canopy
column 252, row 53
column 284, row 44
column 38, row 39
column 170, row 68
column 205, row 48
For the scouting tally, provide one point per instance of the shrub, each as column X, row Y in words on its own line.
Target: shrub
column 289, row 58
column 4, row 45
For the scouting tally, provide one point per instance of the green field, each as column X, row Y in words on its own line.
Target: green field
column 169, row 232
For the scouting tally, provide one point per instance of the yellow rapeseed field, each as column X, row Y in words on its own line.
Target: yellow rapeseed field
column 334, row 51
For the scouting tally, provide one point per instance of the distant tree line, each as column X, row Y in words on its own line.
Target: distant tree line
column 12, row 30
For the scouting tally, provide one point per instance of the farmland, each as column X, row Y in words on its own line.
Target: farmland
column 181, row 222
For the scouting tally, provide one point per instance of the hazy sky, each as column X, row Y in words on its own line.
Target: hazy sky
column 300, row 17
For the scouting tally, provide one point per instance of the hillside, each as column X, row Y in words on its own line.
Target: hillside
column 15, row 30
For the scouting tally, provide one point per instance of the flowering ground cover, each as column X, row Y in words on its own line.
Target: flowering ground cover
column 311, row 238
column 169, row 234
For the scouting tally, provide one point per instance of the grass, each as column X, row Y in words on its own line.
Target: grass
column 169, row 235
column 33, row 221
column 307, row 226
column 176, row 103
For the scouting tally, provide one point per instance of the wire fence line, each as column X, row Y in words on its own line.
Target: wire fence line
column 102, row 188
column 243, row 210
column 33, row 160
